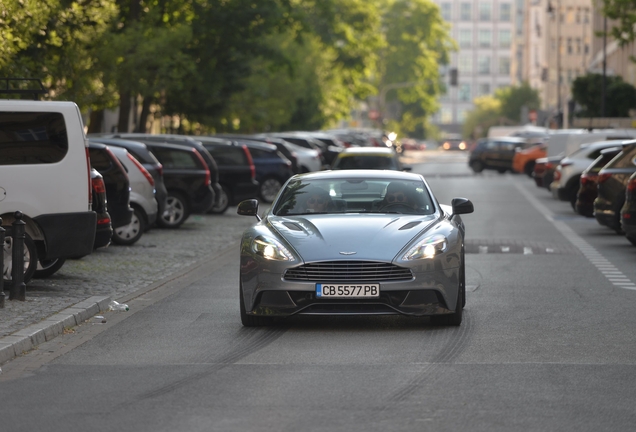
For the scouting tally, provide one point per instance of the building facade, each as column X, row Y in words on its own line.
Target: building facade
column 485, row 32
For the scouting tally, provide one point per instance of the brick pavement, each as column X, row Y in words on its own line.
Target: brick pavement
column 116, row 271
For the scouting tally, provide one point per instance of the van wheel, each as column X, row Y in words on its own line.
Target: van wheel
column 129, row 234
column 269, row 189
column 176, row 211
column 47, row 268
column 30, row 256
column 477, row 166
column 223, row 202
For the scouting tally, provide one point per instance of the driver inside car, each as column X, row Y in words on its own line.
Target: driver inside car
column 398, row 194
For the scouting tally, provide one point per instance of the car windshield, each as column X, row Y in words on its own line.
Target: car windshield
column 354, row 195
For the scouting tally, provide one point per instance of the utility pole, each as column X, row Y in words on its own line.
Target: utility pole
column 604, row 66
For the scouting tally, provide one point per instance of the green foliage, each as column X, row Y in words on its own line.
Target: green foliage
column 503, row 108
column 620, row 96
column 623, row 12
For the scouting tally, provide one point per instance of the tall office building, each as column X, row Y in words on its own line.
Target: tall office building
column 485, row 32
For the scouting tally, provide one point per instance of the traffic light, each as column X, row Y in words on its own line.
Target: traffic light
column 454, row 75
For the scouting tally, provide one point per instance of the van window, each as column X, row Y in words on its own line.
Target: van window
column 28, row 138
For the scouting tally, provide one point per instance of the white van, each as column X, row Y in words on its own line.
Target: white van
column 45, row 174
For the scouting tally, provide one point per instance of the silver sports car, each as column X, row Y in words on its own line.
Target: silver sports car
column 354, row 242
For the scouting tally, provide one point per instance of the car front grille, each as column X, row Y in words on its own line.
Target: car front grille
column 348, row 271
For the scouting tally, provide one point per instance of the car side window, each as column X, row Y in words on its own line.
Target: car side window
column 258, row 153
column 227, row 155
column 492, row 145
column 177, row 159
column 32, row 138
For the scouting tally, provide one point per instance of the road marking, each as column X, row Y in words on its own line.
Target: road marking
column 613, row 275
column 483, row 249
column 527, row 250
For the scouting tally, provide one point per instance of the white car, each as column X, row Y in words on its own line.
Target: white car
column 308, row 159
column 142, row 199
column 45, row 174
column 568, row 173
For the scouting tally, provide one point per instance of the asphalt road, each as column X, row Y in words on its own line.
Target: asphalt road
column 547, row 343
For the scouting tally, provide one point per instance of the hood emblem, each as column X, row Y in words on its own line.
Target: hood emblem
column 348, row 253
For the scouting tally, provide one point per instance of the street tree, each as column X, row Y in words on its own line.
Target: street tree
column 586, row 92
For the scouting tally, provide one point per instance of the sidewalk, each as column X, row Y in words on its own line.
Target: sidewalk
column 84, row 288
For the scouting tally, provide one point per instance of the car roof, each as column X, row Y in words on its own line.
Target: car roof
column 368, row 151
column 361, row 174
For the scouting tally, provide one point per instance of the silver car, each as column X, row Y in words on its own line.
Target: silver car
column 142, row 199
column 354, row 242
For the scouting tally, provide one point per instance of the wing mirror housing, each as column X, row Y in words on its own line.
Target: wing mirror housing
column 462, row 206
column 248, row 208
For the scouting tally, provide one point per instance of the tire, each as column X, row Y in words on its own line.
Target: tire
column 223, row 202
column 175, row 213
column 47, row 268
column 30, row 257
column 477, row 166
column 251, row 320
column 529, row 168
column 455, row 319
column 129, row 234
column 269, row 188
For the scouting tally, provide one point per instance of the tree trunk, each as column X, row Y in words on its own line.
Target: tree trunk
column 95, row 121
column 145, row 112
column 124, row 111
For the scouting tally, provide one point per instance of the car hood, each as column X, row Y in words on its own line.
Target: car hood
column 350, row 236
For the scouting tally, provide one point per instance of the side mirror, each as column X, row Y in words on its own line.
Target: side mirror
column 462, row 206
column 248, row 208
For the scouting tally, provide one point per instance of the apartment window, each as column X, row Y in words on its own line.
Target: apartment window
column 484, row 89
column 484, row 65
column 461, row 115
column 578, row 45
column 466, row 12
column 465, row 64
column 504, row 65
column 485, row 11
column 569, row 45
column 485, row 38
column 504, row 38
column 505, row 12
column 464, row 92
column 446, row 11
column 447, row 115
column 465, row 38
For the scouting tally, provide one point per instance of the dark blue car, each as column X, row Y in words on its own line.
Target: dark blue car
column 272, row 168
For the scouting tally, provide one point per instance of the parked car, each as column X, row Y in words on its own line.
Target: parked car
column 333, row 143
column 272, row 168
column 544, row 170
column 567, row 174
column 628, row 212
column 116, row 181
column 495, row 153
column 187, row 179
column 588, row 186
column 44, row 142
column 142, row 199
column 104, row 231
column 237, row 172
column 328, row 145
column 612, row 185
column 184, row 141
column 288, row 152
column 369, row 158
column 524, row 160
column 145, row 157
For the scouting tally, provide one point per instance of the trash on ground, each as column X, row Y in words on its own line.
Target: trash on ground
column 114, row 306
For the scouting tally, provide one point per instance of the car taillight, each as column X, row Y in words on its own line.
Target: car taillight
column 88, row 171
column 603, row 177
column 208, row 176
column 631, row 186
column 588, row 179
column 565, row 164
column 98, row 185
column 103, row 221
column 549, row 165
column 143, row 170
column 557, row 175
column 250, row 161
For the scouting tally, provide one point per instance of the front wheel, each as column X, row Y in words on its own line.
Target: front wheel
column 269, row 189
column 47, row 268
column 175, row 212
column 129, row 234
column 477, row 166
column 30, row 256
column 251, row 320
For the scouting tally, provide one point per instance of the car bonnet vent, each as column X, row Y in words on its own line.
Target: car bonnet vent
column 410, row 225
column 292, row 226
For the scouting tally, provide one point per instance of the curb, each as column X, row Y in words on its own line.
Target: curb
column 15, row 344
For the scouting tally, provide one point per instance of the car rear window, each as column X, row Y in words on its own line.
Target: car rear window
column 262, row 154
column 177, row 159
column 227, row 155
column 28, row 138
column 626, row 159
column 99, row 159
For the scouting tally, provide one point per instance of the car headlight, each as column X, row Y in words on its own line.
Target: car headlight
column 271, row 249
column 427, row 248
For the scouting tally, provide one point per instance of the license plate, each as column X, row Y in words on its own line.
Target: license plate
column 347, row 291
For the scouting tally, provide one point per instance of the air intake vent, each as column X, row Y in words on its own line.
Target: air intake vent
column 348, row 271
